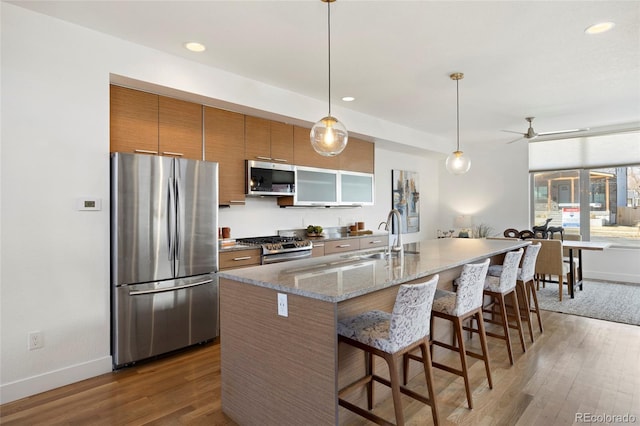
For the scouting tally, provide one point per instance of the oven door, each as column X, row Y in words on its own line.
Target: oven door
column 285, row 257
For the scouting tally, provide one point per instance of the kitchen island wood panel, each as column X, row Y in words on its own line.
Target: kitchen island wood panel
column 346, row 284
column 294, row 381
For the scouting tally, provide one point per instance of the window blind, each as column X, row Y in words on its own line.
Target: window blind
column 586, row 152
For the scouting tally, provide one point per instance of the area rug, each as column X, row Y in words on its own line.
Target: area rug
column 602, row 300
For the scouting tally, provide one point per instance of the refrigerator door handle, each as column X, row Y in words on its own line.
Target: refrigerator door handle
column 171, row 219
column 178, row 223
column 161, row 290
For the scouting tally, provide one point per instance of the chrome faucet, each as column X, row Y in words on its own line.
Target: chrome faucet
column 397, row 245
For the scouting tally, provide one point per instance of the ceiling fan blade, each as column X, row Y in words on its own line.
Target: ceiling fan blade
column 562, row 132
column 516, row 140
column 511, row 131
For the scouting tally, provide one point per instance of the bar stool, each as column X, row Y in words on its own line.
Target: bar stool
column 497, row 288
column 458, row 307
column 390, row 336
column 525, row 285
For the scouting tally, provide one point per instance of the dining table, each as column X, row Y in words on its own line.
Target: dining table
column 578, row 246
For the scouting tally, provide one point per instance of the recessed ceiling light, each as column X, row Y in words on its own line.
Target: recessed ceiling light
column 600, row 27
column 348, row 99
column 194, row 46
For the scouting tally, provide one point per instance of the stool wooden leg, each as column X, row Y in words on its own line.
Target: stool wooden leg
column 369, row 361
column 428, row 374
column 463, row 358
column 534, row 297
column 483, row 344
column 394, row 380
column 516, row 306
column 526, row 308
column 505, row 325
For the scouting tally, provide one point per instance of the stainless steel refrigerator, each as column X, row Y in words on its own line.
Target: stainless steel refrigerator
column 164, row 255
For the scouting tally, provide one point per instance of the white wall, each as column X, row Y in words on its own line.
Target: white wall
column 494, row 191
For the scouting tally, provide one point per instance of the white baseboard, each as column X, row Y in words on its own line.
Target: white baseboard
column 54, row 379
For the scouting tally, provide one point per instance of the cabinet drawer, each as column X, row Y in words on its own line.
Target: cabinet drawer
column 341, row 245
column 317, row 250
column 372, row 242
column 239, row 258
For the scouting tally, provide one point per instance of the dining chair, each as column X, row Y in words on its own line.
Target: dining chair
column 550, row 263
column 497, row 289
column 458, row 307
column 390, row 336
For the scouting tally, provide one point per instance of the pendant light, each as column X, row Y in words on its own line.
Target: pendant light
column 329, row 136
column 457, row 163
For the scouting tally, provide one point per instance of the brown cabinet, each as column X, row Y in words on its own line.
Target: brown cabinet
column 267, row 140
column 358, row 156
column 224, row 143
column 133, row 121
column 373, row 242
column 179, row 128
column 317, row 250
column 239, row 258
column 304, row 154
column 339, row 246
column 147, row 123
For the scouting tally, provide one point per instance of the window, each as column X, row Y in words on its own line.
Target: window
column 610, row 210
column 584, row 185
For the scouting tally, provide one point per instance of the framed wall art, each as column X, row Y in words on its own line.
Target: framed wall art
column 406, row 199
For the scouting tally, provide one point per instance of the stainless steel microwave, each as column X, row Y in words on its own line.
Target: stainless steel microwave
column 265, row 178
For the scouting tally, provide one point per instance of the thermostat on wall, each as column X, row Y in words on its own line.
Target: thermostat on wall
column 91, row 204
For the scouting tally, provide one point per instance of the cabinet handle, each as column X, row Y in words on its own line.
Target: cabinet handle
column 262, row 158
column 375, row 242
column 145, row 151
column 318, row 245
column 344, row 245
column 242, row 258
column 175, row 154
column 282, row 160
column 236, row 201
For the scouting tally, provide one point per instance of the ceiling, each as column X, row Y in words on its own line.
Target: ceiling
column 520, row 58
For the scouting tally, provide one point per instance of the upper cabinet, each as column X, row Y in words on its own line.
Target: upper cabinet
column 180, row 128
column 224, row 143
column 134, row 121
column 304, row 154
column 358, row 156
column 146, row 123
column 267, row 140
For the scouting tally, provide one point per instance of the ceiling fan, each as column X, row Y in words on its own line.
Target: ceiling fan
column 532, row 134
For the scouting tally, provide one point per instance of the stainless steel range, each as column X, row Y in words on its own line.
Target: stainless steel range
column 280, row 248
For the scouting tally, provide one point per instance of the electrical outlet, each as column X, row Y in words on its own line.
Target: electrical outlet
column 283, row 309
column 36, row 340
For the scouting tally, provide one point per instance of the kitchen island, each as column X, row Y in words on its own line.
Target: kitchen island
column 287, row 369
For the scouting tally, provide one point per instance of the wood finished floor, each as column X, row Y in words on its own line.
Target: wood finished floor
column 578, row 365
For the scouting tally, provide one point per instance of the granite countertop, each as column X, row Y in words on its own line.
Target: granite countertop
column 339, row 277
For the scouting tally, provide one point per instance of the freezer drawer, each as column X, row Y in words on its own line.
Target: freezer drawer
column 155, row 318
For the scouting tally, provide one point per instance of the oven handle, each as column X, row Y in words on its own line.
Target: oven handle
column 161, row 290
column 274, row 259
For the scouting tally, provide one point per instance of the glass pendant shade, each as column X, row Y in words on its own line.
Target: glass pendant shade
column 329, row 137
column 457, row 163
